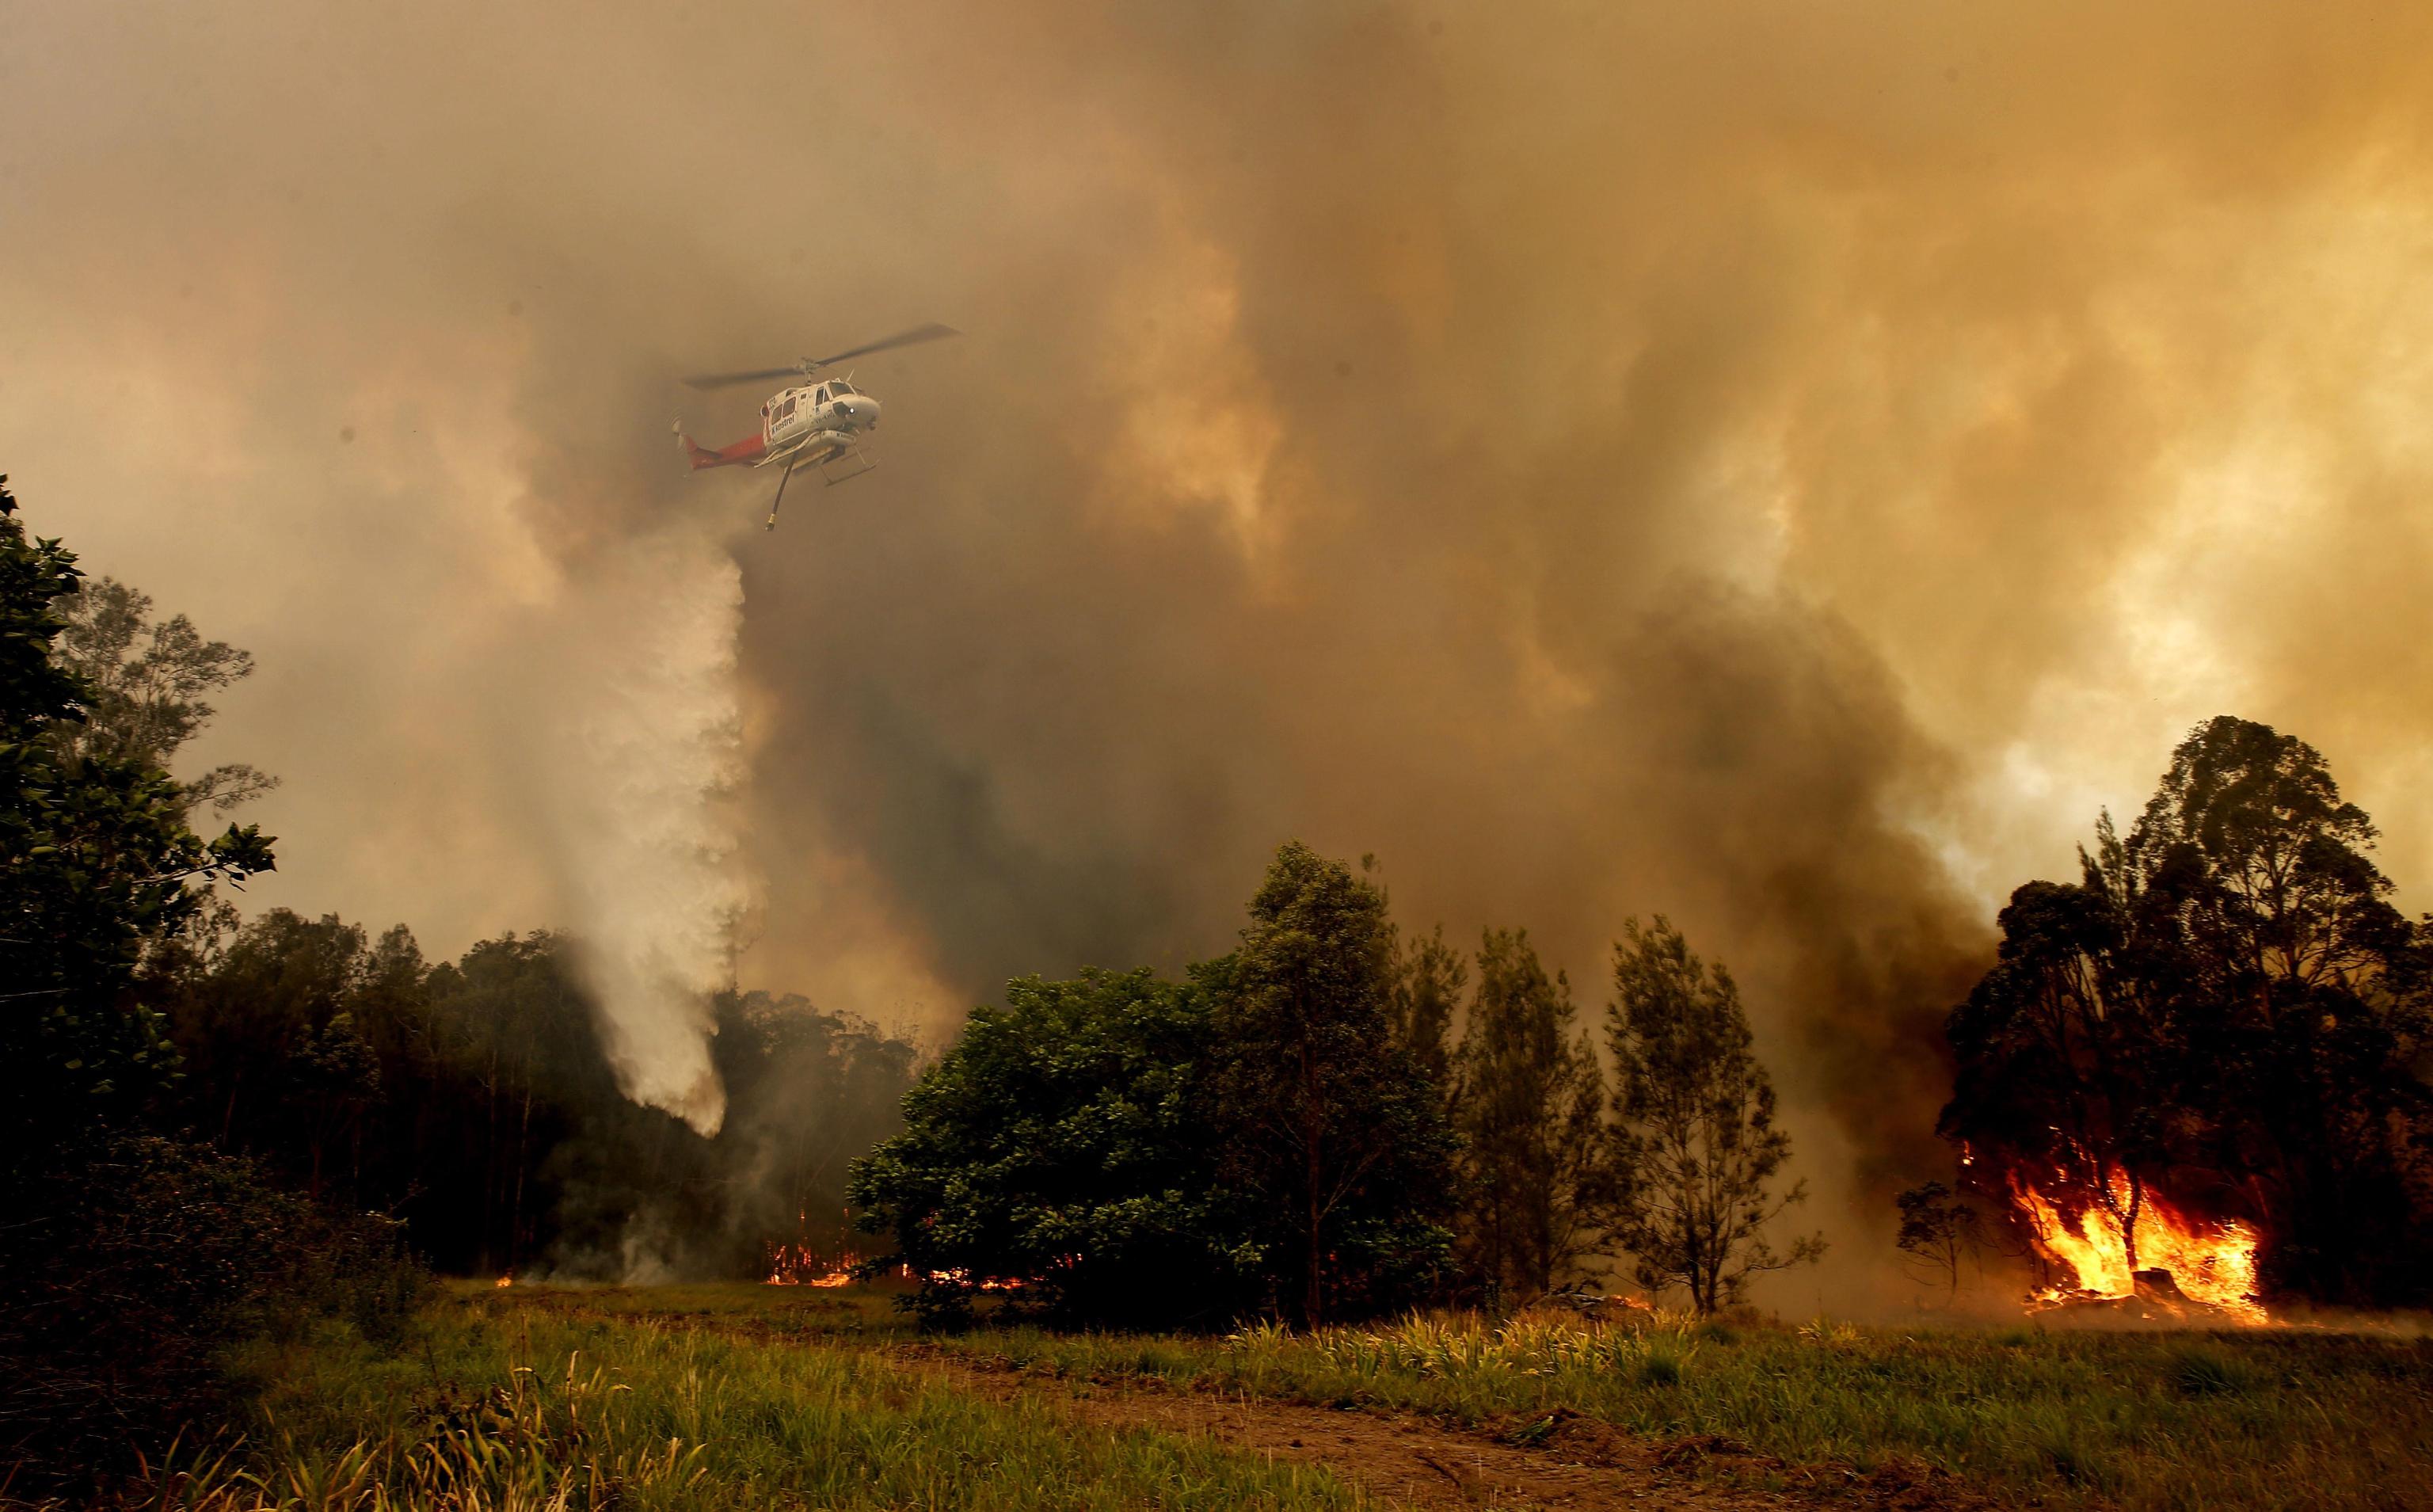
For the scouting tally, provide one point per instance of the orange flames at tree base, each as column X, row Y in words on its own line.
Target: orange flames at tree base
column 2179, row 1258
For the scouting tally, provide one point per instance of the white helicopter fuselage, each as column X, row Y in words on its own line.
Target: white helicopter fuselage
column 811, row 423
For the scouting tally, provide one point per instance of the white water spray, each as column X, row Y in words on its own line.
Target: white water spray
column 643, row 754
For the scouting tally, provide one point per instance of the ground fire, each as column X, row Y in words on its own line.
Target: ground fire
column 2182, row 1263
column 794, row 1265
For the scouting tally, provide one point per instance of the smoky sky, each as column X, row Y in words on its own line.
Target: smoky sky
column 1784, row 465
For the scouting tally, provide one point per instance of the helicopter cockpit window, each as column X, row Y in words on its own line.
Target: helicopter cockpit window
column 841, row 390
column 785, row 409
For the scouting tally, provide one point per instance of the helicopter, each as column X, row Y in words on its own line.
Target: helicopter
column 825, row 423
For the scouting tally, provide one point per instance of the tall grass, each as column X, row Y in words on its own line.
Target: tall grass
column 499, row 1409
column 2142, row 1420
column 733, row 1397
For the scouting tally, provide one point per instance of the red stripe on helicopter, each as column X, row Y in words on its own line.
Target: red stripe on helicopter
column 747, row 449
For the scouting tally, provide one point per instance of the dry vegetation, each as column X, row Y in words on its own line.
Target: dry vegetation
column 736, row 1396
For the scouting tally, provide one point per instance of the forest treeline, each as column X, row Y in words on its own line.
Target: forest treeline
column 210, row 1130
column 1293, row 1128
column 472, row 1101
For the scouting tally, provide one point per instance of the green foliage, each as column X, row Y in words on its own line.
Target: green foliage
column 96, row 869
column 1133, row 1150
column 2227, row 1008
column 1695, row 1144
column 144, row 687
column 2203, row 1372
column 1063, row 1142
column 473, row 1099
column 2311, row 1419
column 130, row 1261
column 1335, row 1140
column 578, row 1401
column 1536, row 1164
column 1428, row 983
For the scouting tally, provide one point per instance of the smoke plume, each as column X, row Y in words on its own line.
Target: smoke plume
column 1783, row 466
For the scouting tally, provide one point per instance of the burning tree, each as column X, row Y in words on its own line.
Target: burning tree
column 2190, row 1070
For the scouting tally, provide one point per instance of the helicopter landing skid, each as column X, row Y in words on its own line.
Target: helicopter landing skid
column 847, row 465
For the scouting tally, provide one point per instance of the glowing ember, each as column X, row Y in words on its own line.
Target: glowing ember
column 508, row 1280
column 2211, row 1264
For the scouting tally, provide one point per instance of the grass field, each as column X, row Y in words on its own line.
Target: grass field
column 2257, row 1418
column 749, row 1397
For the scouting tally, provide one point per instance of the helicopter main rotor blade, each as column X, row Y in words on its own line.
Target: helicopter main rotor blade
column 931, row 331
column 758, row 375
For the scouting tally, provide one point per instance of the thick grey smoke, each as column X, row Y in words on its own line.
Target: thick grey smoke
column 1785, row 466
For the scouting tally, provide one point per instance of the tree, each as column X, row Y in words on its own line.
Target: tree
column 127, row 1260
column 144, row 683
column 1939, row 1229
column 1536, row 1164
column 1428, row 981
column 1695, row 1144
column 97, row 868
column 1336, row 1141
column 2065, row 1056
column 1063, row 1145
column 2226, row 1007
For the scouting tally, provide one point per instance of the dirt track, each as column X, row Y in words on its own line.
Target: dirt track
column 1566, row 1461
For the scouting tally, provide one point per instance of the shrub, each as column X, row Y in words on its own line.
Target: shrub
column 129, row 1261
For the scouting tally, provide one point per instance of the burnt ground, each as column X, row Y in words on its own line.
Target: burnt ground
column 1551, row 1460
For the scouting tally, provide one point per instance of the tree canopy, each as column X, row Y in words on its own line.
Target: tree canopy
column 2227, row 1009
column 1696, row 1148
column 1132, row 1149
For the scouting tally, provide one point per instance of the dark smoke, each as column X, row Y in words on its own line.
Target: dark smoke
column 1782, row 467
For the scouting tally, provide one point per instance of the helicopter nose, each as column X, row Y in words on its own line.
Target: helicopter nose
column 865, row 411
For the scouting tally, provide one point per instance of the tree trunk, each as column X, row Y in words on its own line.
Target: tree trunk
column 523, row 1159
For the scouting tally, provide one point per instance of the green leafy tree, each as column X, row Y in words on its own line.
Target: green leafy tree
column 1695, row 1144
column 144, row 683
column 1428, row 982
column 98, row 867
column 1335, row 1139
column 1063, row 1144
column 127, row 1260
column 1537, row 1167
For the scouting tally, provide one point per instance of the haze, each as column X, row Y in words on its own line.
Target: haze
column 1784, row 465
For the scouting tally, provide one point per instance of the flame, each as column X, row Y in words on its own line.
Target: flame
column 508, row 1280
column 961, row 1277
column 794, row 1265
column 2211, row 1264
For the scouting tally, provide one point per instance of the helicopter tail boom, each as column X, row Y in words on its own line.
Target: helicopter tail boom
column 748, row 450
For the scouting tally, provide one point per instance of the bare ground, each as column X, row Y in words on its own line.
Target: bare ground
column 1561, row 1460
